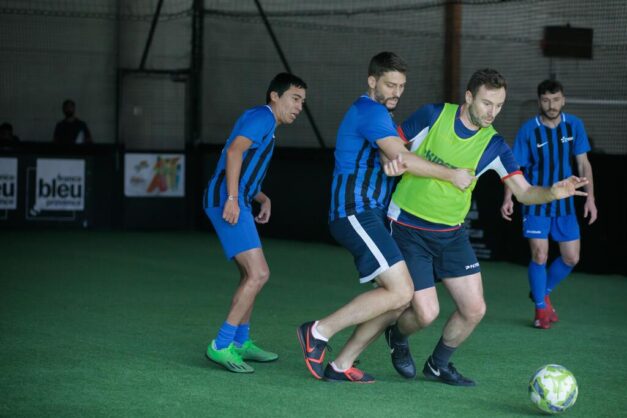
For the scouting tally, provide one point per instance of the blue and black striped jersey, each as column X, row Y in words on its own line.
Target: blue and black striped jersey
column 258, row 125
column 359, row 182
column 545, row 155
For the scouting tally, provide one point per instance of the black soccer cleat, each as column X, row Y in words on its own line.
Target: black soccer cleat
column 448, row 375
column 351, row 375
column 314, row 350
column 399, row 351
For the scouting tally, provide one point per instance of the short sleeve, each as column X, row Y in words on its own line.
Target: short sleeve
column 582, row 143
column 376, row 123
column 255, row 125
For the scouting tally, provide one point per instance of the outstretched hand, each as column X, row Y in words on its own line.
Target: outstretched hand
column 569, row 187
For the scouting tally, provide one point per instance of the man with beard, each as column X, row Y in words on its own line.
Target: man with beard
column 71, row 130
column 544, row 147
column 359, row 197
column 428, row 215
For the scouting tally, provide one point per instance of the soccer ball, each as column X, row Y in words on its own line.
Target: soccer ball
column 553, row 389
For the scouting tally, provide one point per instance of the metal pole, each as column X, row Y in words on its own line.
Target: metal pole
column 153, row 26
column 275, row 41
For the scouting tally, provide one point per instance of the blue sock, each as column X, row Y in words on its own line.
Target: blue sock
column 537, row 283
column 558, row 270
column 225, row 335
column 242, row 334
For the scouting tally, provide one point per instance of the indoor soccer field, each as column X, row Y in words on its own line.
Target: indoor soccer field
column 99, row 324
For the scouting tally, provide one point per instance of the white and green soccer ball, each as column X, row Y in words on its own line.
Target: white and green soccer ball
column 553, row 389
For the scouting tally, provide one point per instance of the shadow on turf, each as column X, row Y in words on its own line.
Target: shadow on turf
column 512, row 409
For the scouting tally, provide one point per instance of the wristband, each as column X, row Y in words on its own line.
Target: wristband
column 231, row 197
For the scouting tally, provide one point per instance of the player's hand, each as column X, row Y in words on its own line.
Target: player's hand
column 231, row 212
column 264, row 213
column 507, row 209
column 462, row 178
column 590, row 208
column 395, row 167
column 568, row 187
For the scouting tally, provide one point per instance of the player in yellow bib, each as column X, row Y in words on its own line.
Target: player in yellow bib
column 427, row 218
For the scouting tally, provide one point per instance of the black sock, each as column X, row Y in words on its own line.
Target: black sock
column 442, row 354
column 397, row 335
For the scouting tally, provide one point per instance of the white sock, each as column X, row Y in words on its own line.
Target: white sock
column 337, row 369
column 316, row 334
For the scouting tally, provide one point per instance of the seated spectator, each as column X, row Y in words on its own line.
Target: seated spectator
column 71, row 130
column 6, row 135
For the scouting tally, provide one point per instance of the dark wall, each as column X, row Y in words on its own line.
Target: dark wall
column 299, row 184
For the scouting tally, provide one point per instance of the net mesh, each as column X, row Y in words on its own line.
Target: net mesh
column 58, row 49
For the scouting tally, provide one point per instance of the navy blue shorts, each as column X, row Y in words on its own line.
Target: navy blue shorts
column 367, row 236
column 435, row 255
column 235, row 239
column 562, row 228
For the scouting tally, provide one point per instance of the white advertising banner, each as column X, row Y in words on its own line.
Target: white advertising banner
column 60, row 185
column 154, row 175
column 8, row 183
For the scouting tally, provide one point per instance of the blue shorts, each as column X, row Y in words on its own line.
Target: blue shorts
column 235, row 239
column 561, row 228
column 435, row 255
column 367, row 237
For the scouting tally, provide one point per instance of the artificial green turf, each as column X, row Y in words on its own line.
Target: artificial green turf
column 116, row 324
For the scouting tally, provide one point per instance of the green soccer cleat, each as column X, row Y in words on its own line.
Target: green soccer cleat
column 250, row 351
column 228, row 358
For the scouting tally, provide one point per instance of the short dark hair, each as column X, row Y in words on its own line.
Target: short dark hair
column 488, row 77
column 69, row 102
column 6, row 126
column 282, row 82
column 385, row 62
column 550, row 86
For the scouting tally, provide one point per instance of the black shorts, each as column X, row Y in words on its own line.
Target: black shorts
column 435, row 255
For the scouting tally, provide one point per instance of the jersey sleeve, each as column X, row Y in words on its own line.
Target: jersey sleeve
column 582, row 143
column 256, row 125
column 498, row 157
column 376, row 123
column 422, row 118
column 521, row 146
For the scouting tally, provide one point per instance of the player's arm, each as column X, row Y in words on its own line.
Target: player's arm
column 533, row 195
column 234, row 157
column 584, row 168
column 402, row 160
column 264, row 213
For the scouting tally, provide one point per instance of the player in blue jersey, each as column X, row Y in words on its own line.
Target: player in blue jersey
column 359, row 196
column 428, row 215
column 235, row 183
column 545, row 147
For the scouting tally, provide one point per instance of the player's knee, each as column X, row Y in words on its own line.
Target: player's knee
column 259, row 277
column 539, row 256
column 427, row 316
column 475, row 311
column 571, row 260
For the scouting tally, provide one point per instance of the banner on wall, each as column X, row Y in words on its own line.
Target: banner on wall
column 59, row 185
column 154, row 175
column 8, row 183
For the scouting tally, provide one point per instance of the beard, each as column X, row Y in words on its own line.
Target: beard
column 380, row 98
column 474, row 119
column 548, row 116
